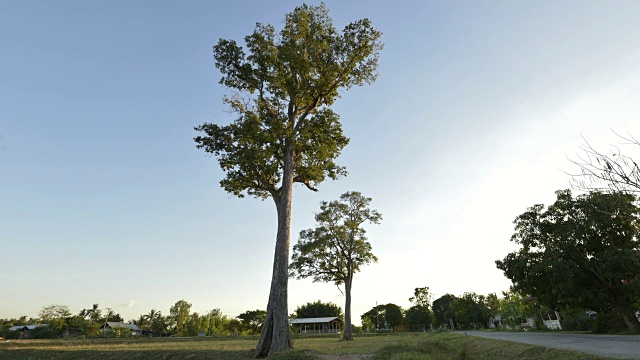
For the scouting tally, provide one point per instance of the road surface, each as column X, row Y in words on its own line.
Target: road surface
column 616, row 346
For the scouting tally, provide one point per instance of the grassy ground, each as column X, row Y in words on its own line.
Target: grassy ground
column 399, row 346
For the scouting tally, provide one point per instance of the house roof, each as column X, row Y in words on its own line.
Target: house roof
column 314, row 320
column 113, row 324
column 29, row 327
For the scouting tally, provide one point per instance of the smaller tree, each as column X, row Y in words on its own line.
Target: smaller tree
column 387, row 316
column 180, row 315
column 318, row 309
column 419, row 316
column 470, row 311
column 337, row 247
column 442, row 310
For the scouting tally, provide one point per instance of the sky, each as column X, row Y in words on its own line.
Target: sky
column 478, row 109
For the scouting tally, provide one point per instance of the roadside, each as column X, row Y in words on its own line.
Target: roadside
column 616, row 346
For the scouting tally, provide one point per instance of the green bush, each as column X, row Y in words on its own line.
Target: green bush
column 43, row 332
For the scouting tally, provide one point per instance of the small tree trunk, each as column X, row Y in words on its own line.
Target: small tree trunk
column 348, row 331
column 275, row 335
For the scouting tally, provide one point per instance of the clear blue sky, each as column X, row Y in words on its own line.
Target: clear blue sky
column 105, row 199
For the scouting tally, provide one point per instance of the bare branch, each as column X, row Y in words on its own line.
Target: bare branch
column 603, row 172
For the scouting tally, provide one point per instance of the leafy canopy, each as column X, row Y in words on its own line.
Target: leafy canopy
column 337, row 247
column 579, row 252
column 388, row 315
column 285, row 83
column 318, row 309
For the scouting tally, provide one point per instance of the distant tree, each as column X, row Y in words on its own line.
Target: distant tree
column 318, row 309
column 607, row 172
column 493, row 303
column 53, row 312
column 384, row 316
column 515, row 308
column 159, row 324
column 337, row 247
column 92, row 314
column 233, row 326
column 286, row 132
column 252, row 320
column 196, row 323
column 580, row 252
column 442, row 310
column 151, row 317
column 180, row 314
column 470, row 311
column 55, row 316
column 419, row 316
column 111, row 317
column 421, row 296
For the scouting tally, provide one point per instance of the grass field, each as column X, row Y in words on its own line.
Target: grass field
column 399, row 346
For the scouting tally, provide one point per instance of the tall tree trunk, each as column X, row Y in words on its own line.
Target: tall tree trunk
column 275, row 329
column 348, row 332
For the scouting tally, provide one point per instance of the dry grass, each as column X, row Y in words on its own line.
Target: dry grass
column 401, row 346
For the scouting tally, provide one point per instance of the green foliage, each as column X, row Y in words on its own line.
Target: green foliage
column 580, row 252
column 180, row 315
column 43, row 332
column 285, row 131
column 390, row 315
column 421, row 297
column 418, row 318
column 53, row 312
column 442, row 309
column 337, row 247
column 93, row 314
column 286, row 84
column 515, row 308
column 470, row 311
column 318, row 309
column 252, row 320
column 117, row 332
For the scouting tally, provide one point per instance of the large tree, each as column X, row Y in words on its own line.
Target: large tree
column 318, row 309
column 337, row 248
column 579, row 252
column 286, row 132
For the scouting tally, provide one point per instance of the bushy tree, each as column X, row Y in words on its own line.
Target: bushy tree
column 470, row 311
column 580, row 252
column 252, row 320
column 286, row 132
column 389, row 316
column 442, row 310
column 419, row 317
column 337, row 248
column 179, row 313
column 318, row 309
